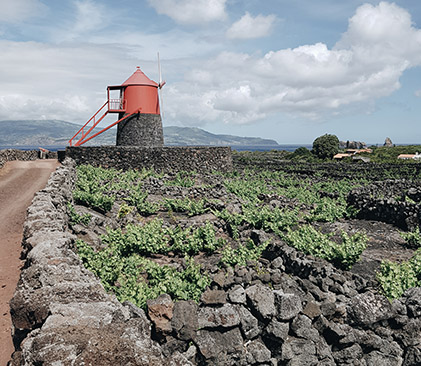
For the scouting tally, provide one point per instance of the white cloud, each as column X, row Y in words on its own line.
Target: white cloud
column 310, row 80
column 63, row 82
column 17, row 11
column 89, row 16
column 418, row 93
column 67, row 81
column 250, row 28
column 191, row 11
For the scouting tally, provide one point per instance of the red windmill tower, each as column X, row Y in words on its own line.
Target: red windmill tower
column 139, row 122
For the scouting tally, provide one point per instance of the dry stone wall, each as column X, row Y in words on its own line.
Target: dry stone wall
column 13, row 154
column 60, row 311
column 372, row 171
column 396, row 202
column 168, row 159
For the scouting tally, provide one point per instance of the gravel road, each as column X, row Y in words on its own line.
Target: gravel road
column 19, row 181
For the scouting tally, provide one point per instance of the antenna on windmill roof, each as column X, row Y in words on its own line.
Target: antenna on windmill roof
column 160, row 85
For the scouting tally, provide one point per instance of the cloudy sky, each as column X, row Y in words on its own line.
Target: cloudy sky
column 290, row 70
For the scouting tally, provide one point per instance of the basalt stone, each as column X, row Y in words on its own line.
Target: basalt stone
column 277, row 330
column 312, row 310
column 160, row 311
column 220, row 348
column 413, row 302
column 225, row 316
column 257, row 353
column 214, row 297
column 349, row 356
column 184, row 321
column 142, row 129
column 369, row 308
column 249, row 324
column 288, row 305
column 261, row 299
column 304, row 350
column 237, row 295
column 301, row 326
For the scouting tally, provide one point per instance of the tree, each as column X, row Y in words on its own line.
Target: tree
column 326, row 146
column 302, row 153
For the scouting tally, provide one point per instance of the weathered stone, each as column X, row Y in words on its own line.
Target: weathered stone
column 348, row 355
column 312, row 310
column 413, row 356
column 413, row 302
column 160, row 311
column 369, row 308
column 184, row 321
column 237, row 295
column 377, row 358
column 249, row 324
column 277, row 330
column 219, row 279
column 288, row 305
column 261, row 299
column 213, row 297
column 277, row 263
column 218, row 347
column 294, row 347
column 302, row 327
column 225, row 316
column 257, row 353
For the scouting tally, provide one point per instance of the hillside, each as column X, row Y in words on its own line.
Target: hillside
column 57, row 133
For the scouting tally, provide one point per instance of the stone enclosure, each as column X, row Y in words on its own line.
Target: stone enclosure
column 288, row 309
column 174, row 158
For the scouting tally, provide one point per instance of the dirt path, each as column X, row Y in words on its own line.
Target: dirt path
column 19, row 180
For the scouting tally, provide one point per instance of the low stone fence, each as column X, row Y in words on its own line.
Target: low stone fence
column 372, row 171
column 168, row 159
column 61, row 313
column 288, row 309
column 14, row 154
column 396, row 202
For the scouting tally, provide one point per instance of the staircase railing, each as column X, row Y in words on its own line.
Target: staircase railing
column 82, row 131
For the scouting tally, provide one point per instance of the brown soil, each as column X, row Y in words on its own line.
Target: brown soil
column 19, row 181
column 384, row 243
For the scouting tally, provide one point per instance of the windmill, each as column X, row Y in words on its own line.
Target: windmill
column 160, row 85
column 139, row 122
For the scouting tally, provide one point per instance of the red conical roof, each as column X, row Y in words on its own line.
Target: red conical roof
column 139, row 78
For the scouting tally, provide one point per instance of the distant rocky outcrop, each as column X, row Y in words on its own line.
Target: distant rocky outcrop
column 388, row 142
column 352, row 145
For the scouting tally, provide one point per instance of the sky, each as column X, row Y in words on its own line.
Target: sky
column 288, row 70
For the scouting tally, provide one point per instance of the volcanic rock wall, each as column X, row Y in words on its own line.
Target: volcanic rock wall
column 288, row 309
column 13, row 154
column 168, row 159
column 60, row 311
column 396, row 202
column 372, row 171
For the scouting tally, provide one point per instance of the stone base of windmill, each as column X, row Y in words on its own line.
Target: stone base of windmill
column 142, row 129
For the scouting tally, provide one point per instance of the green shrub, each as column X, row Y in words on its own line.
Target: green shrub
column 76, row 218
column 310, row 241
column 413, row 238
column 395, row 278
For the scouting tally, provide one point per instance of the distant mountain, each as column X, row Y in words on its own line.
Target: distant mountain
column 57, row 133
column 196, row 136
